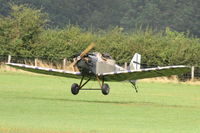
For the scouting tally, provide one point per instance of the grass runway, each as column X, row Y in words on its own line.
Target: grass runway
column 44, row 104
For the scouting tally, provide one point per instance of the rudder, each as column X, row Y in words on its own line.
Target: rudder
column 135, row 62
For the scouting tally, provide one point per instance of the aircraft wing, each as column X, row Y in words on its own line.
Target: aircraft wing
column 47, row 71
column 145, row 73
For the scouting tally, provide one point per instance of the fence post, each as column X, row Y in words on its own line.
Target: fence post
column 9, row 58
column 192, row 73
column 36, row 62
column 125, row 65
column 64, row 63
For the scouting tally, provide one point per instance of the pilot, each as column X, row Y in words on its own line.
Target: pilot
column 100, row 57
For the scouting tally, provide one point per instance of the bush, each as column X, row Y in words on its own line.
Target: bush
column 23, row 34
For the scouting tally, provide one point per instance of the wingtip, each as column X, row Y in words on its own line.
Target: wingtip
column 8, row 63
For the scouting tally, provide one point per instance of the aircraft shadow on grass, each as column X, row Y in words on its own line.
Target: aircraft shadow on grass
column 127, row 103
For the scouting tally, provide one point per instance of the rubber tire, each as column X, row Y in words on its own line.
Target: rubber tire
column 74, row 89
column 105, row 89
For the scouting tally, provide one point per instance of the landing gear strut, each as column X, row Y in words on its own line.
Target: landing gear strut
column 75, row 88
column 133, row 82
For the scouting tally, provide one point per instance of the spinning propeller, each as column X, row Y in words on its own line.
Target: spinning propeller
column 78, row 58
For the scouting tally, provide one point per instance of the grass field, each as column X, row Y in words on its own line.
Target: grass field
column 44, row 104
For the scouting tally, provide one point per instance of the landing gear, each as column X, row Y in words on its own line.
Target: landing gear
column 133, row 82
column 105, row 89
column 75, row 88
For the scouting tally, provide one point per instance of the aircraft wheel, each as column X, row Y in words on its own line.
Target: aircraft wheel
column 74, row 89
column 105, row 89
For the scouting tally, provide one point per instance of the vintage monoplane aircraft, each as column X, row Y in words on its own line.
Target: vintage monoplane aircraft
column 103, row 68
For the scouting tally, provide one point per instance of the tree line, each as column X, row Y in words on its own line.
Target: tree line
column 24, row 32
column 179, row 15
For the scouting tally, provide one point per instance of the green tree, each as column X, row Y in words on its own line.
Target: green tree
column 20, row 30
column 180, row 15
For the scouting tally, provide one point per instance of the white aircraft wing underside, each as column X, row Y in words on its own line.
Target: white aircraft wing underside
column 47, row 71
column 145, row 73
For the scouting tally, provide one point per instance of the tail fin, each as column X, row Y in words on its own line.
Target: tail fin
column 135, row 62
